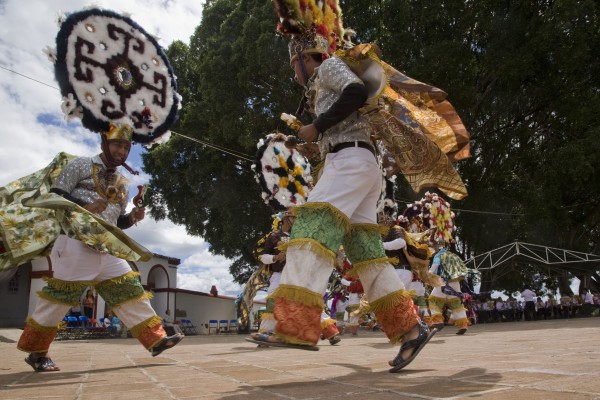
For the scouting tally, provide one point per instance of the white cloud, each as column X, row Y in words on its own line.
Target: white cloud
column 34, row 130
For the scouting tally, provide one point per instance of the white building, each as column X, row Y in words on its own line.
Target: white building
column 18, row 288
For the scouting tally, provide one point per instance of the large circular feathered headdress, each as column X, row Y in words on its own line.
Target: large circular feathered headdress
column 282, row 172
column 113, row 73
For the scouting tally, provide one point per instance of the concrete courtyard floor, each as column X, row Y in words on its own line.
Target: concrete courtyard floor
column 520, row 360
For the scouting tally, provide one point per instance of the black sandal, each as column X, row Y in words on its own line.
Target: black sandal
column 263, row 339
column 417, row 344
column 41, row 364
column 166, row 343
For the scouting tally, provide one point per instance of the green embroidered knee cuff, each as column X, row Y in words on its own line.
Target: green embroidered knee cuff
column 320, row 222
column 363, row 243
column 63, row 292
column 127, row 288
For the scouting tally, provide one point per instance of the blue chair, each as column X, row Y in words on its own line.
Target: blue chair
column 74, row 330
column 188, row 327
column 213, row 324
column 223, row 325
column 233, row 326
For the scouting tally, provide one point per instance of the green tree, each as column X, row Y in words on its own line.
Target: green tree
column 523, row 76
column 234, row 85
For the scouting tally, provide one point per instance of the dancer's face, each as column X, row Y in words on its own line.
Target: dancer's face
column 310, row 64
column 119, row 150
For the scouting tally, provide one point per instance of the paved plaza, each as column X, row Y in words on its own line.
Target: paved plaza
column 518, row 360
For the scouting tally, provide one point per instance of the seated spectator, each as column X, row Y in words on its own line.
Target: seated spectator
column 116, row 326
column 576, row 304
column 483, row 312
column 565, row 306
column 540, row 309
column 553, row 307
column 169, row 321
column 519, row 311
column 109, row 326
column 501, row 309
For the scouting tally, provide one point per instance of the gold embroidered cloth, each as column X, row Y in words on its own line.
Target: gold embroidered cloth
column 418, row 126
column 31, row 218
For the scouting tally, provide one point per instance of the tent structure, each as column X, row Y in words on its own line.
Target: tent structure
column 502, row 260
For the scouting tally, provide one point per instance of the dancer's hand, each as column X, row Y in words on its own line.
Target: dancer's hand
column 137, row 214
column 308, row 133
column 308, row 150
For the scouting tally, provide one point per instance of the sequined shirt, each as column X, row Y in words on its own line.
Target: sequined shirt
column 324, row 88
column 84, row 177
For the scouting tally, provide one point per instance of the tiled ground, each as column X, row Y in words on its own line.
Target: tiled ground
column 522, row 360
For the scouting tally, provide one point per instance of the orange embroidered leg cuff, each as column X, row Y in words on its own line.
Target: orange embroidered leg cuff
column 36, row 338
column 297, row 323
column 396, row 314
column 150, row 333
column 328, row 328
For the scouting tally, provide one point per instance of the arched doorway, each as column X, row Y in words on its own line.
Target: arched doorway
column 158, row 278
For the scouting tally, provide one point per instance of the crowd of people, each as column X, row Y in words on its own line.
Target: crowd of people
column 484, row 309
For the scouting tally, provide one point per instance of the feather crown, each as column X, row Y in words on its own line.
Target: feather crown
column 314, row 26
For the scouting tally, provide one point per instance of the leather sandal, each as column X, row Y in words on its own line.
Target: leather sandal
column 166, row 343
column 269, row 340
column 417, row 344
column 41, row 364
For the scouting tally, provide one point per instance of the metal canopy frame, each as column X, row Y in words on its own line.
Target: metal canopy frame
column 535, row 254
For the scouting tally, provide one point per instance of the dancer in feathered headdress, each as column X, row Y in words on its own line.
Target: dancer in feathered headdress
column 116, row 78
column 341, row 208
column 436, row 224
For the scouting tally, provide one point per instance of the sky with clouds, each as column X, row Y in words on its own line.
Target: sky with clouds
column 33, row 129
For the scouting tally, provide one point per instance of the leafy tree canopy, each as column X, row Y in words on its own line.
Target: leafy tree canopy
column 523, row 75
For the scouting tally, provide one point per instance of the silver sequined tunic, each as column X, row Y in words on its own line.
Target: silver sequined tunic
column 324, row 88
column 77, row 180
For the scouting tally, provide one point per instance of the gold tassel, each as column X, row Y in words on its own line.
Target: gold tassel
column 327, row 323
column 291, row 339
column 119, row 279
column 359, row 267
column 43, row 295
column 149, row 323
column 40, row 328
column 389, row 301
column 370, row 228
column 267, row 317
column 461, row 322
column 143, row 296
column 65, row 286
column 299, row 295
column 341, row 218
column 310, row 245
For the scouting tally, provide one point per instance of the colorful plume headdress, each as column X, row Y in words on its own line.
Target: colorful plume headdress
column 314, row 26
